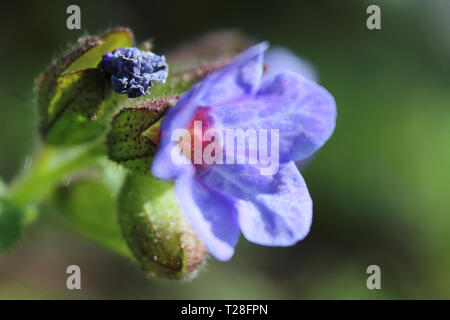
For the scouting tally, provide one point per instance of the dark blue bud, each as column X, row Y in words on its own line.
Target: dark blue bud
column 133, row 71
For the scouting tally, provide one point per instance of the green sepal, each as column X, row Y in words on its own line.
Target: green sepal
column 46, row 83
column 109, row 41
column 156, row 231
column 134, row 133
column 75, row 98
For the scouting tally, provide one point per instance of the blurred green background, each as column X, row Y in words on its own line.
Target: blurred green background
column 380, row 186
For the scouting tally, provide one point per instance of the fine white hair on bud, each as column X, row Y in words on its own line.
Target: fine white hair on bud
column 156, row 231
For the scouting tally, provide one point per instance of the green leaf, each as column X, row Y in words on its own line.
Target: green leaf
column 134, row 134
column 13, row 218
column 11, row 223
column 155, row 229
column 89, row 205
column 111, row 40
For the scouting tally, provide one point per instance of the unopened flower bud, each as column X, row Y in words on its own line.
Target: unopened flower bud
column 134, row 133
column 156, row 231
column 75, row 99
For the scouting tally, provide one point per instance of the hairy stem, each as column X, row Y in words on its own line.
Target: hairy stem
column 50, row 167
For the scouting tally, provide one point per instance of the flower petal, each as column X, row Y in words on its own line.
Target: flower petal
column 211, row 215
column 272, row 210
column 240, row 78
column 281, row 59
column 302, row 111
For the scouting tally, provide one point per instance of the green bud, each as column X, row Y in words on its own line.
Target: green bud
column 157, row 233
column 46, row 83
column 75, row 99
column 134, row 133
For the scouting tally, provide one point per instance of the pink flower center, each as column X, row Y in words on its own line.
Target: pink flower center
column 201, row 122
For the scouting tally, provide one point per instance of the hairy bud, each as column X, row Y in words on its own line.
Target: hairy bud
column 75, row 99
column 134, row 133
column 156, row 231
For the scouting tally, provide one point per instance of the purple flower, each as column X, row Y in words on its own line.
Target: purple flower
column 133, row 71
column 220, row 200
column 279, row 58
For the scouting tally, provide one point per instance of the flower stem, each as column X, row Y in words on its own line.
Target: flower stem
column 51, row 166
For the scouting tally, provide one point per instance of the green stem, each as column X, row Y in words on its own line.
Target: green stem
column 51, row 166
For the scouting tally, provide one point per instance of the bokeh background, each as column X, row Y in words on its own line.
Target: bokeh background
column 381, row 185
